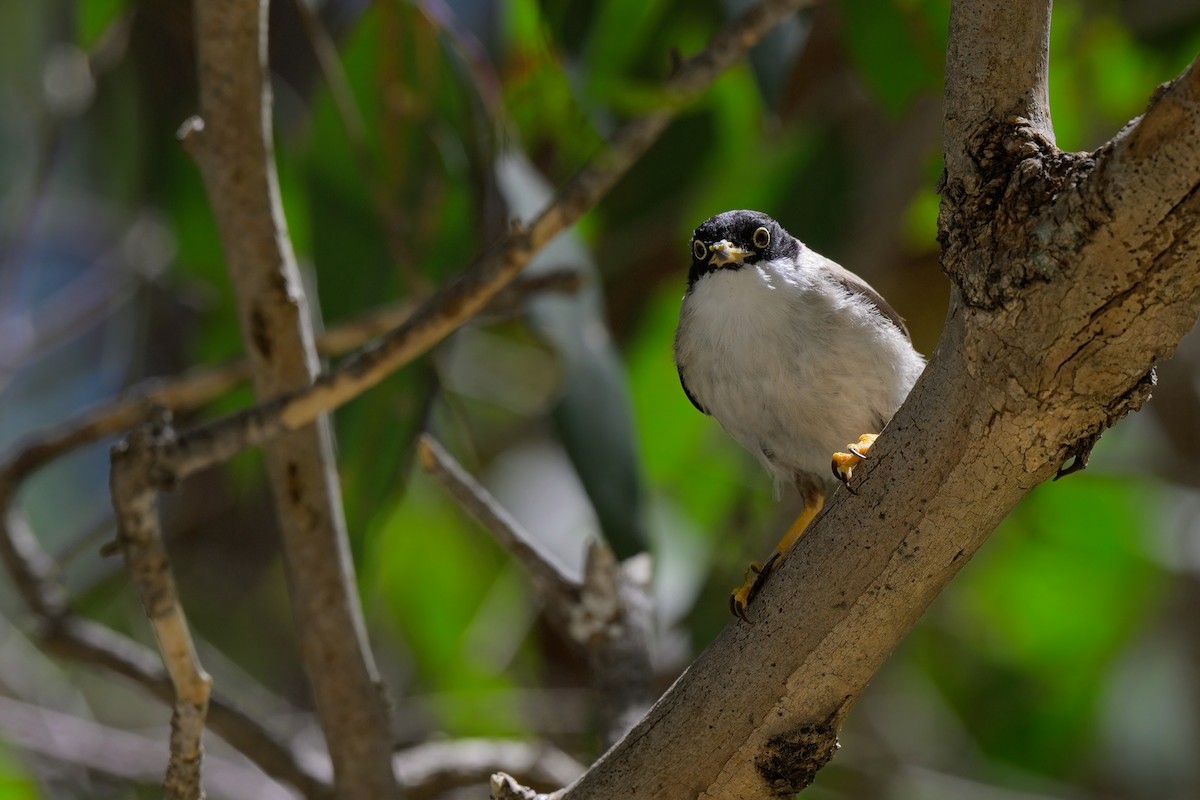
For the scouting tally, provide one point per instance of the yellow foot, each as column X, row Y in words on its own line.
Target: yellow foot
column 756, row 576
column 844, row 463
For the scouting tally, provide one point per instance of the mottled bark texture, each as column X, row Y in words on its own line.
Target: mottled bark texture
column 1073, row 274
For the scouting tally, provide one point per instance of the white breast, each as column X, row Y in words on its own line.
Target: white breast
column 791, row 364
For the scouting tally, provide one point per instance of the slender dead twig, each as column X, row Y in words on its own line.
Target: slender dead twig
column 606, row 612
column 64, row 634
column 430, row 770
column 141, row 543
column 74, row 740
column 553, row 580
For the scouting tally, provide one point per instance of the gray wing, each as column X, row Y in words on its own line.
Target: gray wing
column 856, row 285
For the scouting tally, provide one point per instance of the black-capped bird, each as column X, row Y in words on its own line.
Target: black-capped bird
column 793, row 354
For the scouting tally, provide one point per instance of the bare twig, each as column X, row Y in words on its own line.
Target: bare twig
column 64, row 634
column 430, row 770
column 606, row 612
column 118, row 752
column 142, row 546
column 554, row 580
column 192, row 389
column 86, row 642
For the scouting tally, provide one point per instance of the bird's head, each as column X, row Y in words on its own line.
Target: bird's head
column 736, row 238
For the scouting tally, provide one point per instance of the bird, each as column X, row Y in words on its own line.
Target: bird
column 794, row 355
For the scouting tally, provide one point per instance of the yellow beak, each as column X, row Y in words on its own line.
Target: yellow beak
column 724, row 253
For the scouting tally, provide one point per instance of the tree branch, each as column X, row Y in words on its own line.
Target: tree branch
column 997, row 70
column 607, row 612
column 192, row 389
column 141, row 543
column 131, row 756
column 555, row 582
column 233, row 147
column 64, row 634
column 430, row 770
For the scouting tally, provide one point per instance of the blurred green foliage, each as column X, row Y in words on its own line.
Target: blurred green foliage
column 387, row 161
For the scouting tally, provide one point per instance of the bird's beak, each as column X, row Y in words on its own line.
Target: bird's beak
column 725, row 254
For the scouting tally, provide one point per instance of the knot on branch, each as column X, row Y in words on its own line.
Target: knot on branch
column 141, row 453
column 792, row 759
column 995, row 226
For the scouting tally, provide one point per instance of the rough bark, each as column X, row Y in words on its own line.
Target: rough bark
column 232, row 145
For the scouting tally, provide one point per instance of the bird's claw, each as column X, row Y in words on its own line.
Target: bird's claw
column 844, row 463
column 756, row 577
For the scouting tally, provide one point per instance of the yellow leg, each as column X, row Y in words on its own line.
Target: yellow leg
column 812, row 507
column 814, row 500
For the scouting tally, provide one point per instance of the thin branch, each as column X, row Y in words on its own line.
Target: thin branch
column 81, row 640
column 194, row 388
column 133, row 757
column 430, row 770
column 64, row 634
column 146, row 558
column 607, row 612
column 554, row 581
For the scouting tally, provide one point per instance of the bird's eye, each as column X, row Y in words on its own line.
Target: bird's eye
column 762, row 238
column 698, row 249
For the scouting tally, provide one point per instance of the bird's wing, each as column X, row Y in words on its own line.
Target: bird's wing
column 688, row 392
column 856, row 285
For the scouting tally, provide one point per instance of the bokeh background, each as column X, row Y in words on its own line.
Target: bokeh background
column 1062, row 663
